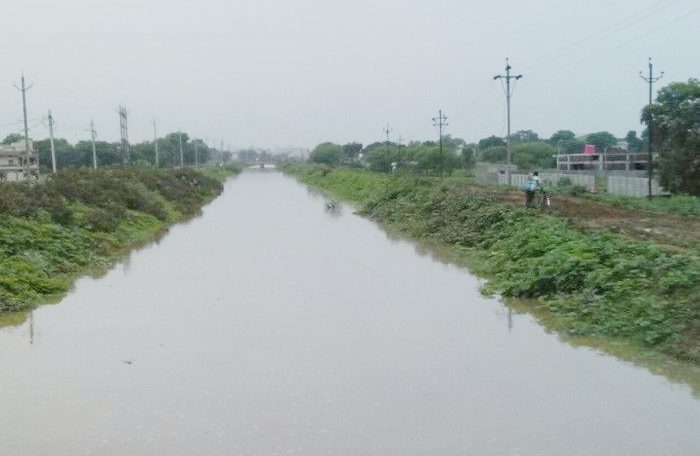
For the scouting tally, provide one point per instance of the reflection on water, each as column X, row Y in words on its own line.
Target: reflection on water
column 269, row 326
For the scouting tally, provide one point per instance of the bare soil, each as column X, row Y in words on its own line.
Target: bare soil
column 673, row 231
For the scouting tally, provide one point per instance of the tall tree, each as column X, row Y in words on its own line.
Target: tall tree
column 351, row 151
column 676, row 135
column 327, row 153
column 562, row 135
column 602, row 140
column 565, row 142
column 468, row 155
column 634, row 144
column 534, row 155
column 521, row 136
column 491, row 141
column 12, row 137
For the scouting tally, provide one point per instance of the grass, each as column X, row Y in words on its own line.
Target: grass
column 593, row 283
column 685, row 205
column 221, row 173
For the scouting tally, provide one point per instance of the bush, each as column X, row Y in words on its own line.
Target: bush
column 567, row 187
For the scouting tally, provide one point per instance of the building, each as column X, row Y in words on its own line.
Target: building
column 611, row 160
column 12, row 160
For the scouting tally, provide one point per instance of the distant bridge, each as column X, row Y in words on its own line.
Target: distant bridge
column 267, row 163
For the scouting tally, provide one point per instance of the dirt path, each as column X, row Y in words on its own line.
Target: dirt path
column 674, row 231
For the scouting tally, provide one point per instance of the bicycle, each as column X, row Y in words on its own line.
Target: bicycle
column 538, row 199
column 544, row 200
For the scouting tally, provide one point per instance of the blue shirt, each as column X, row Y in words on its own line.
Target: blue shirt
column 532, row 184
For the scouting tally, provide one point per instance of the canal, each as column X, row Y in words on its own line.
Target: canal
column 272, row 325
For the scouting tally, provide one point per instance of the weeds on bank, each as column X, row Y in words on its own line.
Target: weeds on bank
column 51, row 231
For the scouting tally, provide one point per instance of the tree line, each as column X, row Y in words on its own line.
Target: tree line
column 674, row 116
column 110, row 153
column 529, row 151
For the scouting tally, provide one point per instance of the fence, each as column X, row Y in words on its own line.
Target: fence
column 486, row 177
column 629, row 184
column 633, row 186
column 518, row 180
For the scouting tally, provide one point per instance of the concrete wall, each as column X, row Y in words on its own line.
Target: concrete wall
column 626, row 183
column 550, row 179
column 633, row 186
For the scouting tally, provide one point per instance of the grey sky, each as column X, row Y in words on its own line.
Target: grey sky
column 276, row 73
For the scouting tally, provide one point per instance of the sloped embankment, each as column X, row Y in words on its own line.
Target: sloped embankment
column 592, row 283
column 53, row 231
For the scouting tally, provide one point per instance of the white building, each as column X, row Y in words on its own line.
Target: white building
column 12, row 160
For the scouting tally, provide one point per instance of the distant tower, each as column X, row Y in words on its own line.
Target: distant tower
column 124, row 132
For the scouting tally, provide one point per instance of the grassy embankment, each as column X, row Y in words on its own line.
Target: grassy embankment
column 80, row 220
column 588, row 282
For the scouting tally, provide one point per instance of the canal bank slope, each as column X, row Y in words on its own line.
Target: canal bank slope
column 80, row 220
column 588, row 283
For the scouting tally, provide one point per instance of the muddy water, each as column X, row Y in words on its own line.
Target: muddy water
column 271, row 326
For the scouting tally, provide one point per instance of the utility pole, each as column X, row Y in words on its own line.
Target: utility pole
column 179, row 140
column 399, row 146
column 196, row 154
column 24, row 90
column 53, row 147
column 441, row 122
column 93, row 136
column 124, row 132
column 650, row 80
column 387, row 130
column 222, row 152
column 509, row 94
column 155, row 142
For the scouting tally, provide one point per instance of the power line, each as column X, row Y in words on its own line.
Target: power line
column 509, row 94
column 592, row 39
column 624, row 43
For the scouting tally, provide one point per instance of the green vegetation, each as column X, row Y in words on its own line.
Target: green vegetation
column 602, row 140
column 534, row 155
column 592, row 283
column 109, row 154
column 676, row 204
column 221, row 173
column 676, row 136
column 327, row 153
column 78, row 220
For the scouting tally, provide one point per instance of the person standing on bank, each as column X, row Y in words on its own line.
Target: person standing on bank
column 533, row 181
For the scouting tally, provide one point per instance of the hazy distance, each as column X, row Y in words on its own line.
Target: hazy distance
column 276, row 73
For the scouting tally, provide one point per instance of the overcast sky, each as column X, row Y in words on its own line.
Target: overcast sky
column 299, row 72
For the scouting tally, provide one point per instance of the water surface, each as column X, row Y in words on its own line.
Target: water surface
column 273, row 326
